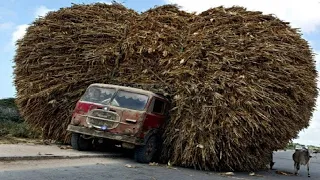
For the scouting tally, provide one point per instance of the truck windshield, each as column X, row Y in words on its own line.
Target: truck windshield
column 130, row 100
column 99, row 95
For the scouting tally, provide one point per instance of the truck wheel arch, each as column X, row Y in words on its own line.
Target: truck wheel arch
column 150, row 133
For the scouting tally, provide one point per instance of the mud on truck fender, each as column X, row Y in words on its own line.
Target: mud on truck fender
column 152, row 132
column 150, row 149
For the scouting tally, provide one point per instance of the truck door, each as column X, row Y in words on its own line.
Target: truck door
column 156, row 114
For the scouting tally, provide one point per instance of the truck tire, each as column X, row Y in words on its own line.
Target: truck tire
column 145, row 154
column 79, row 143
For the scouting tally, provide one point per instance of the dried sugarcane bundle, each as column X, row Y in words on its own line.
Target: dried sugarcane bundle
column 60, row 55
column 251, row 89
column 242, row 83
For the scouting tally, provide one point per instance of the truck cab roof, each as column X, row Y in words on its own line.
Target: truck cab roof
column 130, row 89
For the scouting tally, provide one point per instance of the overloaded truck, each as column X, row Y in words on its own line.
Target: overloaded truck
column 131, row 117
column 126, row 116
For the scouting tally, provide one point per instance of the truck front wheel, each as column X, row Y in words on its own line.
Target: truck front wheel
column 144, row 154
column 79, row 143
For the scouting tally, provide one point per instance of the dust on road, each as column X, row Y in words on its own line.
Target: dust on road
column 125, row 168
column 52, row 163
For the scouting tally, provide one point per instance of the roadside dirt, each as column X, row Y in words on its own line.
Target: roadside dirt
column 15, row 140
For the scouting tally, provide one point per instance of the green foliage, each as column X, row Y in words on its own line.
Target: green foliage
column 11, row 122
column 9, row 110
column 21, row 130
column 8, row 102
column 292, row 145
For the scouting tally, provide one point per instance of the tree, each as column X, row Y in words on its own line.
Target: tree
column 9, row 111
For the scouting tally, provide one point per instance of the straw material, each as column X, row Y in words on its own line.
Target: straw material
column 241, row 83
column 61, row 55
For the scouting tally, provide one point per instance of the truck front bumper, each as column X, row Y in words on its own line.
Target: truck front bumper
column 105, row 134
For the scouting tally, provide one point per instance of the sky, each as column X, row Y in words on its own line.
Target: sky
column 16, row 15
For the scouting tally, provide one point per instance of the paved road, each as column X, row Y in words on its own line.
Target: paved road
column 35, row 151
column 126, row 168
column 284, row 162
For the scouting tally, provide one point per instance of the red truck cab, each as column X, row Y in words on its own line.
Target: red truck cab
column 130, row 116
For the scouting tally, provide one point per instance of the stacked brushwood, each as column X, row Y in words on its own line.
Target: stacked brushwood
column 242, row 83
column 251, row 87
column 63, row 53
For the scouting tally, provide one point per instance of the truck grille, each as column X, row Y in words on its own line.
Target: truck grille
column 99, row 118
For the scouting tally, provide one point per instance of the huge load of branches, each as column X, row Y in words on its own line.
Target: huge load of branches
column 242, row 83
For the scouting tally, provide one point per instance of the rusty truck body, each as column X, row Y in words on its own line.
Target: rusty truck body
column 132, row 117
